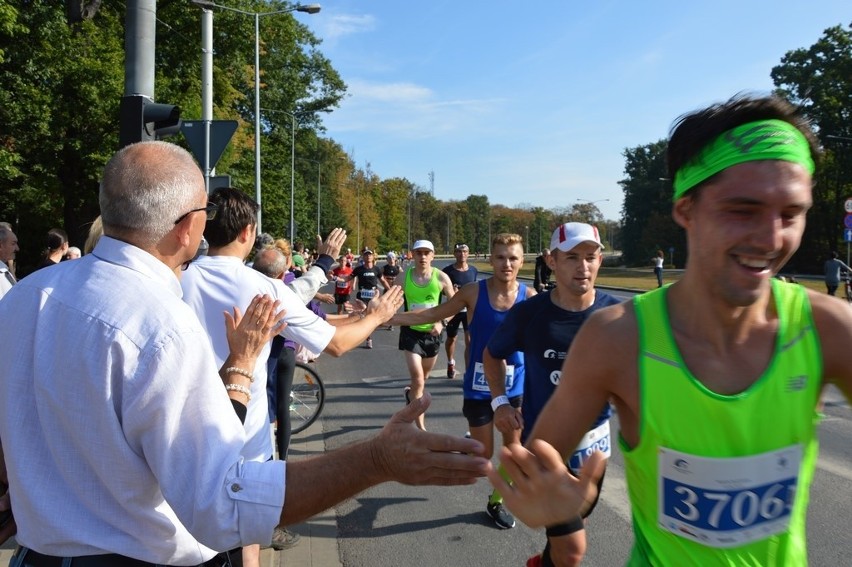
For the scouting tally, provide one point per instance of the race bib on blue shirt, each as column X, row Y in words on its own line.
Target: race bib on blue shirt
column 480, row 384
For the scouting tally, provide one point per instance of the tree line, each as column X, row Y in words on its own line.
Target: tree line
column 61, row 83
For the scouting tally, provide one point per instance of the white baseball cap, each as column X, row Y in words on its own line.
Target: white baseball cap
column 570, row 234
column 423, row 244
column 391, row 256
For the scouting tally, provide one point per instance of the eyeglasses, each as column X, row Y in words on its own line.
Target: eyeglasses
column 210, row 209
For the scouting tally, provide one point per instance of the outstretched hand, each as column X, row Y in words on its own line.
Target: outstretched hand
column 332, row 243
column 543, row 492
column 408, row 455
column 387, row 304
column 247, row 334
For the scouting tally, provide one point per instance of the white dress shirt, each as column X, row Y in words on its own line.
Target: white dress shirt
column 118, row 434
column 213, row 284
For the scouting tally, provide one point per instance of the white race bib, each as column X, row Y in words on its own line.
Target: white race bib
column 368, row 293
column 595, row 440
column 727, row 502
column 341, row 284
column 480, row 384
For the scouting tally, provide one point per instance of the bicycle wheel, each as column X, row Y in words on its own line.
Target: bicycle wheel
column 307, row 398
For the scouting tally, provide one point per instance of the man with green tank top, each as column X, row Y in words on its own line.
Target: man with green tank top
column 422, row 286
column 715, row 380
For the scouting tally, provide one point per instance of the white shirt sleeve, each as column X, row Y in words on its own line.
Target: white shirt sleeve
column 307, row 286
column 303, row 325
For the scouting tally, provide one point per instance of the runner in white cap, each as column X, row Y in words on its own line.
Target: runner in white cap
column 422, row 285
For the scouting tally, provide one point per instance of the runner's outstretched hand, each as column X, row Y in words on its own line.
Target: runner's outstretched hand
column 387, row 304
column 543, row 492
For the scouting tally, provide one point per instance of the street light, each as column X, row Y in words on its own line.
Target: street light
column 319, row 173
column 292, row 175
column 306, row 8
column 590, row 202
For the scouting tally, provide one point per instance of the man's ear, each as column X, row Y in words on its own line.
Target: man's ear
column 182, row 234
column 682, row 210
column 550, row 260
column 247, row 233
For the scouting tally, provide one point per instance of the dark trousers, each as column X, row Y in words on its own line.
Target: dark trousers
column 283, row 386
column 24, row 557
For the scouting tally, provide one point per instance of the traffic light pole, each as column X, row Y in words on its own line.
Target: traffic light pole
column 139, row 45
column 207, row 88
column 138, row 109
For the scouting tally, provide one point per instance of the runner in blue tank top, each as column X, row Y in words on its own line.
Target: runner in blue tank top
column 487, row 303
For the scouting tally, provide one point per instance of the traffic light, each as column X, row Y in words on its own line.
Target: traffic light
column 142, row 119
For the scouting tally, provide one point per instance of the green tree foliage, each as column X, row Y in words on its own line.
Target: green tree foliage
column 479, row 221
column 819, row 80
column 392, row 202
column 647, row 224
column 58, row 104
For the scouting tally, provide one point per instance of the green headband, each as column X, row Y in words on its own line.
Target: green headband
column 760, row 140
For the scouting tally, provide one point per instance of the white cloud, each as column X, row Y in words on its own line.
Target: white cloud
column 342, row 25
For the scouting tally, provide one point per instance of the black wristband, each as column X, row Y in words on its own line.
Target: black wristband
column 324, row 261
column 570, row 527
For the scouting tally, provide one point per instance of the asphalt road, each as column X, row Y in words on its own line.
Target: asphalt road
column 413, row 526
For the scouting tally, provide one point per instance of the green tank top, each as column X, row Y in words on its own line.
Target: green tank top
column 421, row 297
column 724, row 480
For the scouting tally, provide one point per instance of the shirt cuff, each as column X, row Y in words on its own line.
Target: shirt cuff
column 325, row 262
column 258, row 491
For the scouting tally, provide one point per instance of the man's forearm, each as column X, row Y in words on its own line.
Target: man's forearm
column 495, row 373
column 316, row 484
column 348, row 336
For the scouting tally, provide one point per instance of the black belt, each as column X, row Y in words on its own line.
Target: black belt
column 36, row 559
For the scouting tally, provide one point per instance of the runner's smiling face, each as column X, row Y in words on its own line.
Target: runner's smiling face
column 743, row 225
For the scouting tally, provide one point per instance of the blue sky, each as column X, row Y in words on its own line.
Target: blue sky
column 535, row 102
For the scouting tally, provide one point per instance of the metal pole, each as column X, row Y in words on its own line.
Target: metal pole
column 139, row 45
column 447, row 247
column 358, row 199
column 207, row 87
column 319, row 176
column 257, row 197
column 292, row 180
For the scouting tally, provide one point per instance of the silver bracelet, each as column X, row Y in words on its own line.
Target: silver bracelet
column 243, row 371
column 239, row 388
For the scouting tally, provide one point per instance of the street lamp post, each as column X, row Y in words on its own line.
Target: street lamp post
column 319, row 173
column 308, row 9
column 292, row 174
column 358, row 200
column 447, row 247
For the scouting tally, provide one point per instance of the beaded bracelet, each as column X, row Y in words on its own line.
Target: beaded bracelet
column 243, row 371
column 239, row 388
